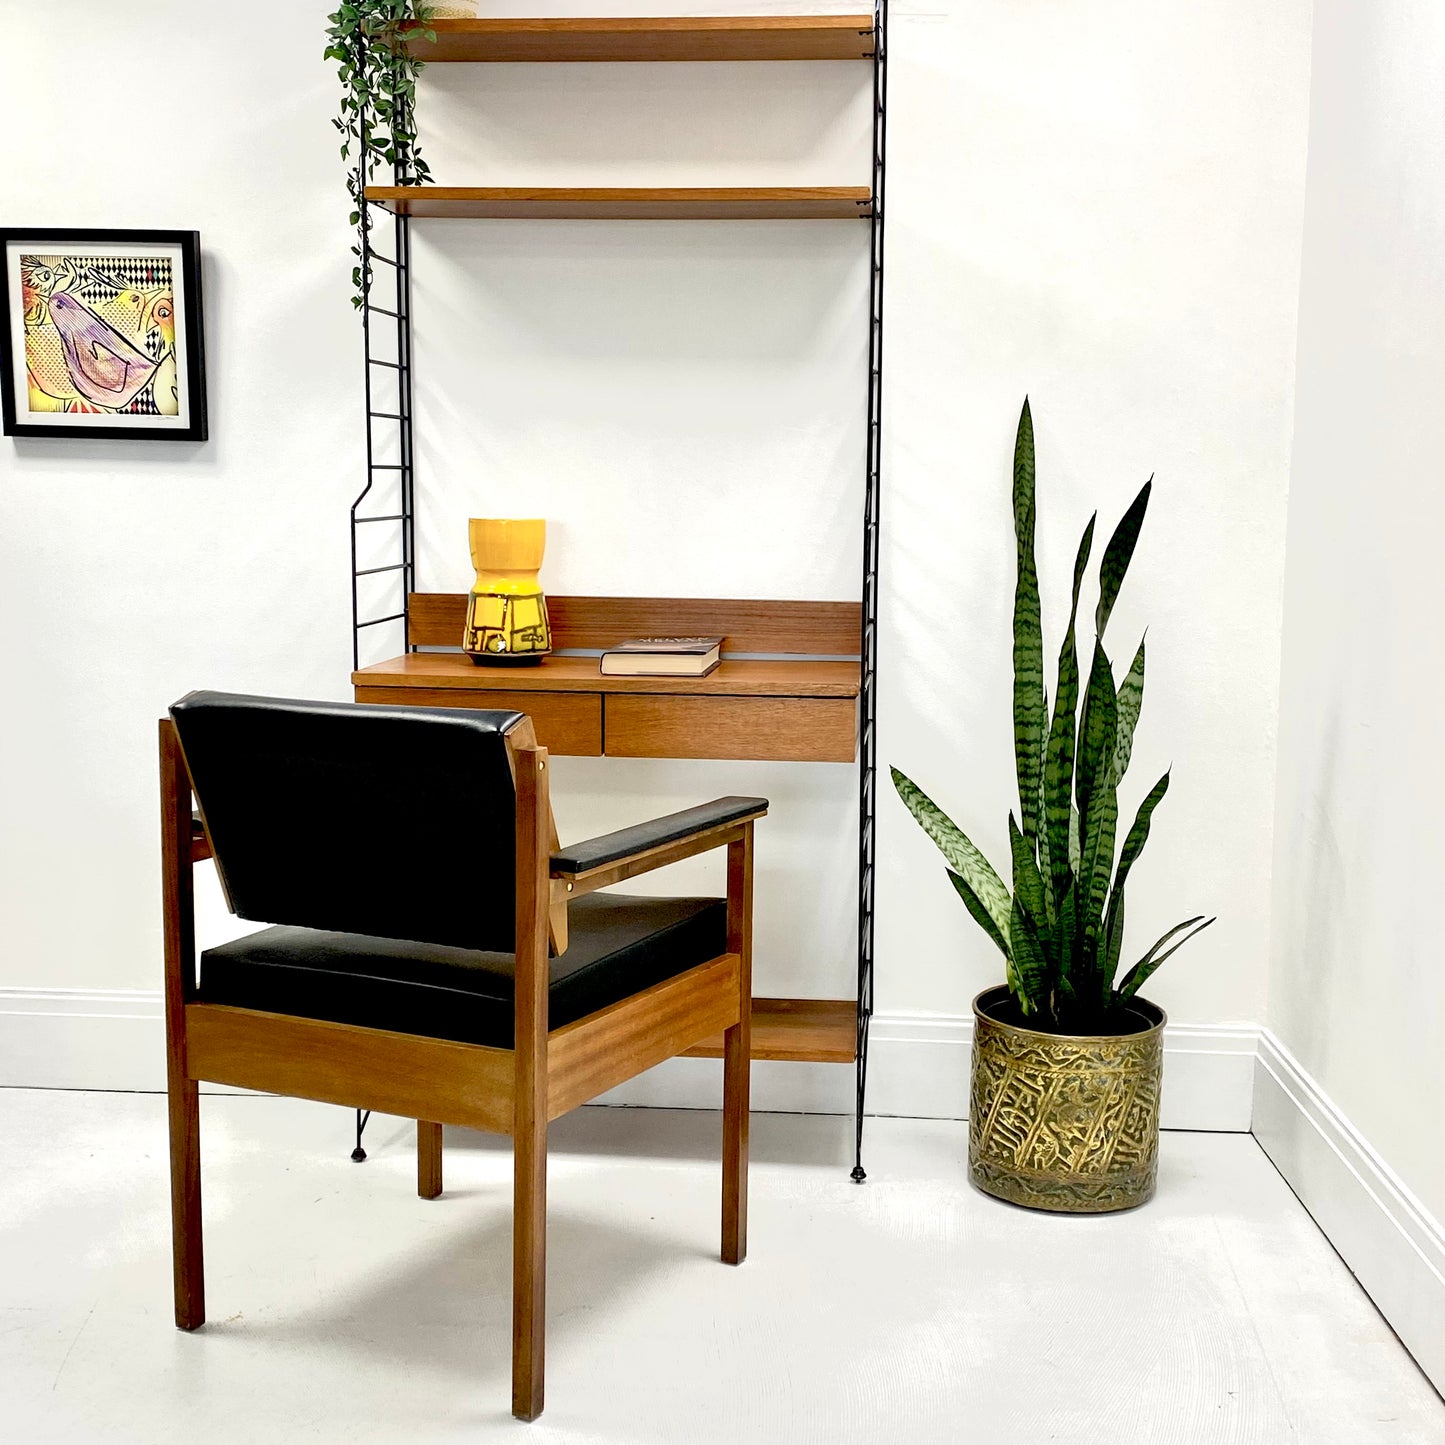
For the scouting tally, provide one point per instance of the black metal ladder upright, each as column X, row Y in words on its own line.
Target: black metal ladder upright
column 389, row 496
column 872, row 498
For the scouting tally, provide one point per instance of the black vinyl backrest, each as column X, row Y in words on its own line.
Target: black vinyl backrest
column 393, row 821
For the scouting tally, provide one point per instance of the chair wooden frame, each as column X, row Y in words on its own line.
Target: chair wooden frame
column 516, row 1091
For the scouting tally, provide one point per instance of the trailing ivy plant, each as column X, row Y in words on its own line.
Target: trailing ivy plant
column 377, row 113
column 1061, row 926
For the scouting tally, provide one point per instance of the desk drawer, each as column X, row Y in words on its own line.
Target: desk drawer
column 788, row 729
column 567, row 723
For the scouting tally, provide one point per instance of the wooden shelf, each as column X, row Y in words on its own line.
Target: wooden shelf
column 628, row 203
column 453, row 670
column 808, row 1030
column 729, row 37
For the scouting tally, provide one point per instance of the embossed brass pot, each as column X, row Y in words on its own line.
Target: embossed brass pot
column 1065, row 1122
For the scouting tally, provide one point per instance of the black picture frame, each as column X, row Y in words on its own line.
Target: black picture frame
column 138, row 420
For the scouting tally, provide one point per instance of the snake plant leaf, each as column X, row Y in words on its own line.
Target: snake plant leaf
column 1045, row 855
column 1094, row 881
column 1066, row 934
column 1138, row 834
column 1059, row 756
column 1063, row 999
column 1031, row 981
column 1097, row 735
column 1117, row 556
column 1028, row 880
column 1030, row 713
column 1130, row 702
column 963, row 858
column 1139, row 974
column 1134, row 841
column 1113, row 941
column 980, row 914
column 1075, row 855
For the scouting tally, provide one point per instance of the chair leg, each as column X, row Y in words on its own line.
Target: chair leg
column 529, row 1270
column 737, row 1053
column 428, row 1159
column 186, row 1258
column 735, row 1144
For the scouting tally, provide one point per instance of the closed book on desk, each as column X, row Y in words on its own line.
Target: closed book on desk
column 663, row 657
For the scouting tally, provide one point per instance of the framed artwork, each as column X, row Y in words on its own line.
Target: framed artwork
column 101, row 335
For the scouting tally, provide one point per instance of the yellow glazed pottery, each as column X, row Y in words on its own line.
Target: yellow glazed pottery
column 507, row 613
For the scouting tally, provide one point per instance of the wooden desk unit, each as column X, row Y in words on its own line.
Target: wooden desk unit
column 802, row 707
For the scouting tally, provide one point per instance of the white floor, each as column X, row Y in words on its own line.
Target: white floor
column 343, row 1308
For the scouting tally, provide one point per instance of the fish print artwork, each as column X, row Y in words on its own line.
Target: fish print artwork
column 100, row 334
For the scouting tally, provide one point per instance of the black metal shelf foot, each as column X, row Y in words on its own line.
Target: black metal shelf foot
column 358, row 1155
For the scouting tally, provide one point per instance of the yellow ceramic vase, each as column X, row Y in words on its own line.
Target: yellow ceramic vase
column 507, row 613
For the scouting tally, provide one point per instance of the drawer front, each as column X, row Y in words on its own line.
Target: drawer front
column 567, row 723
column 786, row 729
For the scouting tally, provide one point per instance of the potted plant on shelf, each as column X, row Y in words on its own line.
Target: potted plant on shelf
column 1064, row 1103
column 377, row 112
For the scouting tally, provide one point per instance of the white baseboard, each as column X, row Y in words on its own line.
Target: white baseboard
column 918, row 1063
column 918, row 1067
column 1393, row 1245
column 82, row 1038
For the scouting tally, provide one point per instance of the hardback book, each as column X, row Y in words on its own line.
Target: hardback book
column 663, row 657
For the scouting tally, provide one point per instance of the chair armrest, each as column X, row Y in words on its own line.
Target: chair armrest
column 672, row 837
column 200, row 843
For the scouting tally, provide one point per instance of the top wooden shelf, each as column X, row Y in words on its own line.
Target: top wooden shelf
column 628, row 203
column 726, row 37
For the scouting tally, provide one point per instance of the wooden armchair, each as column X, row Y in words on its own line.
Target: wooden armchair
column 407, row 969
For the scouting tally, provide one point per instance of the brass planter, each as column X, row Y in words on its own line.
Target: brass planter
column 1064, row 1122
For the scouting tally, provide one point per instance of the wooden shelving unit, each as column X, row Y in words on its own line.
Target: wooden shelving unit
column 812, row 697
column 728, row 37
column 627, row 203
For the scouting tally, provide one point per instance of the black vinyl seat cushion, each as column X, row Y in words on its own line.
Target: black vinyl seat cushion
column 618, row 945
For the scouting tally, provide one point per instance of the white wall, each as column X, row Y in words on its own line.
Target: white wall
column 132, row 572
column 1357, row 991
column 1096, row 203
column 1099, row 205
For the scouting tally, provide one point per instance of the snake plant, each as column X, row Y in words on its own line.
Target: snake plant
column 1061, row 926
